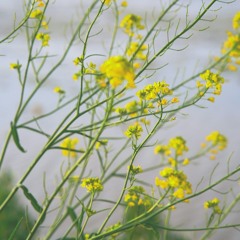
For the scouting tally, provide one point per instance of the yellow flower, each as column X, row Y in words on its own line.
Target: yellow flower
column 175, row 100
column 217, row 139
column 172, row 162
column 176, row 180
column 179, row 144
column 173, row 181
column 40, row 3
column 161, row 183
column 136, row 65
column 167, row 171
column 44, row 24
column 199, row 84
column 135, row 169
column 236, row 21
column 69, row 146
column 131, row 204
column 58, row 90
column 106, row 2
column 132, row 108
column 124, row 4
column 179, row 193
column 213, row 80
column 130, row 23
column 153, row 91
column 232, row 44
column 78, row 60
column 164, row 101
column 134, row 131
column 75, row 76
column 134, row 47
column 136, row 196
column 15, row 66
column 185, row 162
column 162, row 149
column 44, row 37
column 211, row 99
column 37, row 13
column 214, row 205
column 101, row 81
column 117, row 69
column 232, row 67
column 92, row 184
column 100, row 143
column 87, row 236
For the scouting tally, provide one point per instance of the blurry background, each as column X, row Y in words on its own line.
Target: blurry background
column 194, row 123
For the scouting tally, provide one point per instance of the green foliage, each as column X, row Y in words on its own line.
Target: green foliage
column 14, row 216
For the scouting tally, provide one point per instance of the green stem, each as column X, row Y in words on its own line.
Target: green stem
column 136, row 151
column 177, row 36
column 84, row 53
column 24, row 20
column 150, row 213
column 73, row 168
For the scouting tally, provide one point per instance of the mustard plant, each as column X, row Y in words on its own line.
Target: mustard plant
column 87, row 177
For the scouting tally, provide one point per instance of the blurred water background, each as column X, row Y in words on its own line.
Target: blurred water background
column 193, row 124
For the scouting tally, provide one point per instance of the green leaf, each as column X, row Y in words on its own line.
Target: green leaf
column 12, row 236
column 16, row 138
column 32, row 199
column 72, row 214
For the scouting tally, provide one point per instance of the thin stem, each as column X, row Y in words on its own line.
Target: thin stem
column 73, row 168
column 136, row 151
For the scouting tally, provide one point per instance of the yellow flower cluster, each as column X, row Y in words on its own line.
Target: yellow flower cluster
column 214, row 205
column 136, row 197
column 37, row 13
column 90, row 69
column 92, row 184
column 133, row 47
column 176, row 181
column 44, row 37
column 68, row 146
column 131, row 23
column 211, row 80
column 78, row 61
column 232, row 42
column 217, row 139
column 232, row 45
column 162, row 149
column 134, row 131
column 236, row 21
column 111, row 228
column 133, row 108
column 218, row 143
column 135, row 169
column 154, row 91
column 176, row 146
column 117, row 69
